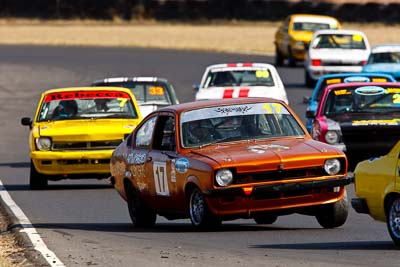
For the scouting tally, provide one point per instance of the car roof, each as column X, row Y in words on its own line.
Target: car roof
column 217, row 103
column 311, row 17
column 347, row 74
column 130, row 79
column 385, row 48
column 332, row 31
column 73, row 89
column 240, row 65
column 361, row 84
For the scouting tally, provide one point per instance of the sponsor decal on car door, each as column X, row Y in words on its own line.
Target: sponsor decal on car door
column 161, row 178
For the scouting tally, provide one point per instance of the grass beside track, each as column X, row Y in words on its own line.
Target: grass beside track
column 235, row 36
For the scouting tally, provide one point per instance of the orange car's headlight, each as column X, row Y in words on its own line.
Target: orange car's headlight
column 332, row 166
column 43, row 143
column 224, row 177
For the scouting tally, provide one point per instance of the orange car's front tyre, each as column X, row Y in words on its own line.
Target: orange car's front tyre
column 36, row 180
column 265, row 218
column 199, row 213
column 335, row 214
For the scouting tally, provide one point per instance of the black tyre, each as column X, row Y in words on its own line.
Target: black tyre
column 308, row 80
column 36, row 180
column 278, row 57
column 141, row 216
column 335, row 214
column 199, row 213
column 393, row 220
column 291, row 59
column 265, row 218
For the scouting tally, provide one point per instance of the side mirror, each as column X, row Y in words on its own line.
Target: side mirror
column 306, row 99
column 26, row 121
column 196, row 87
column 310, row 114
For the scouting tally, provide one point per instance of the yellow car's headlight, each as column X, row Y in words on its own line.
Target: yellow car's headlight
column 43, row 143
column 299, row 45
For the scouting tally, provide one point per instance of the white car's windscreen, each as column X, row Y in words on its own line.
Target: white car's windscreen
column 241, row 77
column 339, row 41
column 148, row 93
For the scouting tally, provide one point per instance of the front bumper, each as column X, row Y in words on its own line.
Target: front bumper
column 234, row 201
column 298, row 54
column 72, row 162
column 360, row 205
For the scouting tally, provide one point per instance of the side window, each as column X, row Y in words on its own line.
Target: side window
column 144, row 134
column 166, row 139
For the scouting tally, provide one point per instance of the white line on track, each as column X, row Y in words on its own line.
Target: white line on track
column 28, row 229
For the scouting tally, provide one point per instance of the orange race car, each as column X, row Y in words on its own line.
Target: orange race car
column 224, row 159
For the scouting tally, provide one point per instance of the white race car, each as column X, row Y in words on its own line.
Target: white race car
column 151, row 93
column 237, row 80
column 335, row 51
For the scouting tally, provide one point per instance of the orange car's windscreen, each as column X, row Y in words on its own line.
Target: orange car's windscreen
column 86, row 104
column 236, row 123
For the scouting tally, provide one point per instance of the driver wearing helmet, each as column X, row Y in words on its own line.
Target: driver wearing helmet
column 65, row 109
column 200, row 131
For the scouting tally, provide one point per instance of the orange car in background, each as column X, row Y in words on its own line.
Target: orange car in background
column 293, row 37
column 218, row 160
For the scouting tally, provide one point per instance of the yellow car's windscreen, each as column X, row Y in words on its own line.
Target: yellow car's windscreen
column 86, row 104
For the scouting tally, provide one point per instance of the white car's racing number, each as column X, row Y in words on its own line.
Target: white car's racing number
column 160, row 178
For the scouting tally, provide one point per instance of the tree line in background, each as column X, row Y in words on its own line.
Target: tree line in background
column 189, row 10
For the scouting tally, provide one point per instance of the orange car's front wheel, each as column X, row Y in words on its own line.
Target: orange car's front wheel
column 199, row 212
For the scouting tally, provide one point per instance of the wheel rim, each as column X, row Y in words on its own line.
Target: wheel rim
column 394, row 218
column 196, row 207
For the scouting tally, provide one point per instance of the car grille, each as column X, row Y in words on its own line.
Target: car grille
column 90, row 145
column 279, row 175
column 83, row 162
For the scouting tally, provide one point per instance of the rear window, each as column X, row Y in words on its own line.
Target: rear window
column 249, row 77
column 339, row 41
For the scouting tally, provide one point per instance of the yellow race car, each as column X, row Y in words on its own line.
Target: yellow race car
column 377, row 184
column 294, row 35
column 75, row 131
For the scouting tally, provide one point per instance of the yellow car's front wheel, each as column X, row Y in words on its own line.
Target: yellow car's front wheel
column 36, row 180
column 393, row 220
